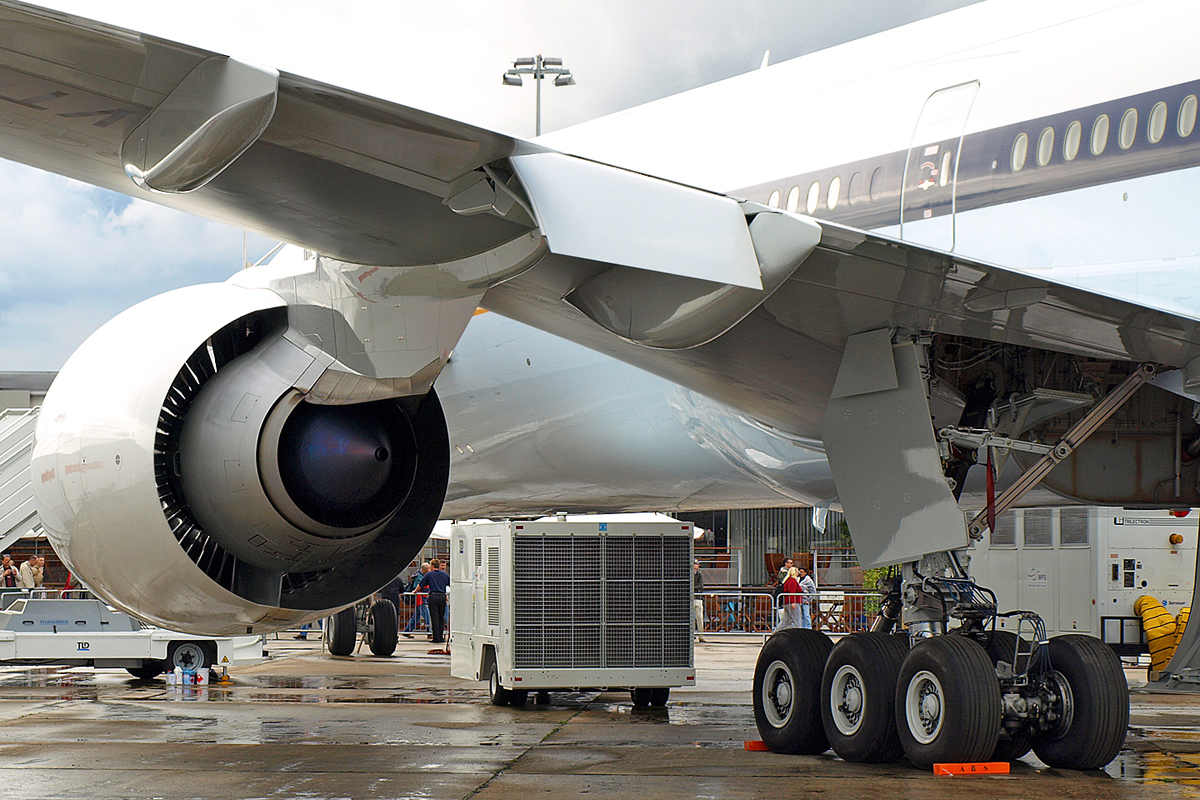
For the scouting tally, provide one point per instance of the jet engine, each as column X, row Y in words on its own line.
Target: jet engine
column 183, row 475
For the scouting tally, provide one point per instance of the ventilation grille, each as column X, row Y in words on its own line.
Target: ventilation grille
column 601, row 601
column 493, row 585
column 1038, row 531
column 1073, row 527
column 222, row 347
column 1005, row 534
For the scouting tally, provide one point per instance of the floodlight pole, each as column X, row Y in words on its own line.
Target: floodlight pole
column 539, row 68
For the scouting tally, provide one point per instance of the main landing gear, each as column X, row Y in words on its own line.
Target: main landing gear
column 938, row 694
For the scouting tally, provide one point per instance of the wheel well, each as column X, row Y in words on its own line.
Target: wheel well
column 208, row 648
column 487, row 659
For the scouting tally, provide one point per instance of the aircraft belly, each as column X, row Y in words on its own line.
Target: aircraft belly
column 546, row 425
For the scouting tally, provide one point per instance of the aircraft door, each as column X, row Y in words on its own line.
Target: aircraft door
column 927, row 195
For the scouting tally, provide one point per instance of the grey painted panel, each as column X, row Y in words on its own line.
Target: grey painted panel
column 896, row 499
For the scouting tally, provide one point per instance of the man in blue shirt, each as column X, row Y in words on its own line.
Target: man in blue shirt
column 436, row 582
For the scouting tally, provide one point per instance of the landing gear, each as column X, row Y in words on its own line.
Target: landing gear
column 964, row 692
column 382, row 628
column 858, row 691
column 1092, row 707
column 787, row 686
column 343, row 631
column 1010, row 654
column 947, row 702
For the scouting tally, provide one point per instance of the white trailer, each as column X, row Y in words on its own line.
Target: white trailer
column 90, row 634
column 1081, row 569
column 561, row 605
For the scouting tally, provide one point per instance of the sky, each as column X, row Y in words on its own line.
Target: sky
column 72, row 256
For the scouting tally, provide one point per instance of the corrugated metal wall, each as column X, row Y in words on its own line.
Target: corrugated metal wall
column 777, row 530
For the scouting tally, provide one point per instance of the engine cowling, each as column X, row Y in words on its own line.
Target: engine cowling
column 181, row 473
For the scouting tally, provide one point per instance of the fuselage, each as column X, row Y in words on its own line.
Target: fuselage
column 1056, row 139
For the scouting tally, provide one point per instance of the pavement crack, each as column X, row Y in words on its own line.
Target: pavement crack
column 505, row 767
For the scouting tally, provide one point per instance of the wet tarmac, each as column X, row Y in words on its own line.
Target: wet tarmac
column 306, row 725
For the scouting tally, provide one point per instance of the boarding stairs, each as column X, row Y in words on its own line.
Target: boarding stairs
column 18, row 512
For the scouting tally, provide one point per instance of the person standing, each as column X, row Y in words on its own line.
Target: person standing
column 698, row 600
column 783, row 571
column 29, row 575
column 8, row 572
column 789, row 599
column 808, row 596
column 421, row 611
column 436, row 582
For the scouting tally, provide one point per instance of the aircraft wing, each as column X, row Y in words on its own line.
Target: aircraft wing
column 747, row 304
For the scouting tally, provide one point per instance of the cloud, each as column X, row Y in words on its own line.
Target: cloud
column 72, row 256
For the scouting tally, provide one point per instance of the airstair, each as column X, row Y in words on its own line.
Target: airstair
column 18, row 513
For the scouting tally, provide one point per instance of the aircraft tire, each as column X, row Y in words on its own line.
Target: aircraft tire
column 342, row 631
column 1093, row 729
column 947, row 702
column 858, row 691
column 384, row 628
column 497, row 693
column 787, row 686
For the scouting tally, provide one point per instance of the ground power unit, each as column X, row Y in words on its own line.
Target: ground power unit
column 564, row 605
column 1082, row 569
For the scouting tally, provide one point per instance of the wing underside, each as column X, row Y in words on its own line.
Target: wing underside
column 748, row 305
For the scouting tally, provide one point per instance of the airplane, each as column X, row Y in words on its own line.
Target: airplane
column 958, row 243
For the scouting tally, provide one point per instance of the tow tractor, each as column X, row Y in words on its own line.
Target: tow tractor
column 86, row 632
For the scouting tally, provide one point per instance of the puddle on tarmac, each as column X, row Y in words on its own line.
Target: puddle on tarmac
column 1156, row 767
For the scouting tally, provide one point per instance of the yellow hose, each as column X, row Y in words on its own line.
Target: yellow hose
column 1181, row 623
column 1160, row 630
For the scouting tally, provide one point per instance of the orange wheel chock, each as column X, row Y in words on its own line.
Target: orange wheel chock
column 977, row 768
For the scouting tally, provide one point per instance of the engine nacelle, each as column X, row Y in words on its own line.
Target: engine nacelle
column 180, row 472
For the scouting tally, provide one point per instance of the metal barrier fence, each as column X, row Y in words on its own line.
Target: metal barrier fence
column 835, row 611
column 7, row 598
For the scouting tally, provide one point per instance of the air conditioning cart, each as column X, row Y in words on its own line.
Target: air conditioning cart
column 563, row 605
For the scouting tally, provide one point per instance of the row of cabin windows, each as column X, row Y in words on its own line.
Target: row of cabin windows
column 1038, row 528
column 833, row 197
column 1156, row 128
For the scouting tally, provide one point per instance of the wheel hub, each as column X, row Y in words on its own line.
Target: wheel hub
column 923, row 703
column 846, row 699
column 777, row 694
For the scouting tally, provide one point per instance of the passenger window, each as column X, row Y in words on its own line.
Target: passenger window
column 877, row 184
column 1045, row 147
column 1158, row 123
column 944, row 174
column 1100, row 135
column 835, row 188
column 1019, row 151
column 1187, row 116
column 793, row 198
column 1071, row 140
column 1128, row 130
column 810, row 204
column 774, row 201
column 855, row 188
